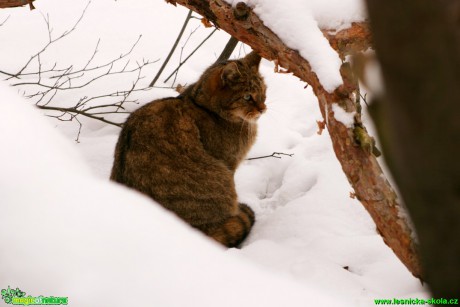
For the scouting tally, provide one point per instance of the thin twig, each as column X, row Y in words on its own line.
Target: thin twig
column 66, row 85
column 75, row 111
column 172, row 49
column 109, row 64
column 54, row 80
column 364, row 98
column 241, row 51
column 273, row 155
column 4, row 21
column 50, row 41
column 182, row 52
column 188, row 57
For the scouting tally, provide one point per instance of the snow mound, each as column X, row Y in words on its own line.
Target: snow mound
column 66, row 233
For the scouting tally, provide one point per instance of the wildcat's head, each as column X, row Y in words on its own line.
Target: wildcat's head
column 233, row 89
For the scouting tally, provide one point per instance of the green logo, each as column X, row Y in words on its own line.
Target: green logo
column 18, row 297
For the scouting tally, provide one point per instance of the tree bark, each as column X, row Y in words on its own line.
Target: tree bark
column 350, row 145
column 16, row 3
column 418, row 118
column 355, row 39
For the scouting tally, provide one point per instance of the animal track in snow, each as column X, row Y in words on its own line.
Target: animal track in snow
column 299, row 178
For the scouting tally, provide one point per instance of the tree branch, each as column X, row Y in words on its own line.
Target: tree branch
column 51, row 41
column 4, row 21
column 187, row 19
column 84, row 113
column 44, row 85
column 273, row 155
column 228, row 50
column 188, row 57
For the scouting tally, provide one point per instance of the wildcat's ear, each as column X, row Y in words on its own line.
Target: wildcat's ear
column 230, row 73
column 252, row 59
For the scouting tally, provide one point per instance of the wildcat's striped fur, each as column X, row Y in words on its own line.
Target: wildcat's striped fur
column 183, row 151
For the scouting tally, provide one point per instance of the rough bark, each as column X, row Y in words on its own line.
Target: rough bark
column 418, row 118
column 355, row 39
column 357, row 160
column 16, row 3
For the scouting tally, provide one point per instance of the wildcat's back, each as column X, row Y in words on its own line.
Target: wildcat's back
column 183, row 151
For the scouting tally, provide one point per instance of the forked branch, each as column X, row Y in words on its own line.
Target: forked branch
column 45, row 83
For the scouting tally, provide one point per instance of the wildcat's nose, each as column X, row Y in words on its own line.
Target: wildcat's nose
column 262, row 109
column 258, row 103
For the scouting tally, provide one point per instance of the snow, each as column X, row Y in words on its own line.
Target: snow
column 333, row 15
column 285, row 18
column 373, row 76
column 343, row 116
column 336, row 15
column 67, row 231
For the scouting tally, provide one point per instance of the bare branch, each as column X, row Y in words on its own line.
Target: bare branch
column 73, row 111
column 188, row 57
column 51, row 40
column 228, row 50
column 182, row 52
column 67, row 85
column 46, row 83
column 187, row 19
column 4, row 21
column 273, row 155
column 109, row 64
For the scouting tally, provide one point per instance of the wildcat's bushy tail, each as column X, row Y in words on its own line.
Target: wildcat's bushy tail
column 235, row 229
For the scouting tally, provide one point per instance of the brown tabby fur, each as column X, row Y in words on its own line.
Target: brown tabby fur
column 183, row 151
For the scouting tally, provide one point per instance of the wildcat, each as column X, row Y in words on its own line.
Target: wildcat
column 183, row 151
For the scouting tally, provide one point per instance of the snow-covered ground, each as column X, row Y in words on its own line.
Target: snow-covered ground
column 67, row 231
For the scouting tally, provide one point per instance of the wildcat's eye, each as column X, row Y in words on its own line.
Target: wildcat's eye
column 247, row 97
